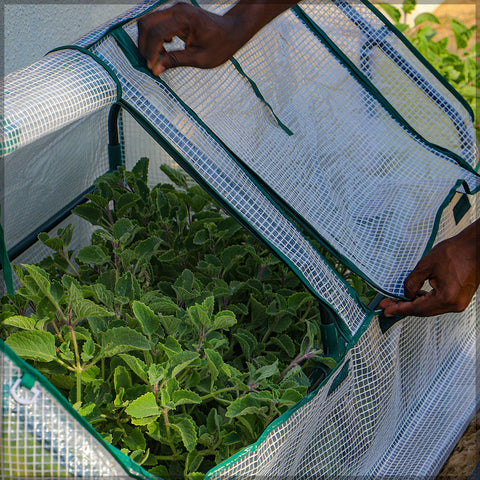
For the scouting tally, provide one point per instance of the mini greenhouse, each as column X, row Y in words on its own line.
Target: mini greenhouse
column 326, row 130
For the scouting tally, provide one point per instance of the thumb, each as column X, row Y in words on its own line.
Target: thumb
column 414, row 282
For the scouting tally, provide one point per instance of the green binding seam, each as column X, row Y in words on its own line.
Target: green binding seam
column 260, row 96
column 98, row 60
column 28, row 380
column 394, row 30
column 131, row 468
column 341, row 376
column 254, row 86
column 436, row 224
column 369, row 87
column 6, row 265
column 461, row 208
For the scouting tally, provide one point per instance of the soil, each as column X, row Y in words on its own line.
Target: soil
column 465, row 456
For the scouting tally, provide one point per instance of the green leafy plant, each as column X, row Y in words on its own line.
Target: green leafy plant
column 174, row 333
column 456, row 63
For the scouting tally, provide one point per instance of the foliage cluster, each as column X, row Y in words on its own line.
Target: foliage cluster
column 458, row 63
column 175, row 333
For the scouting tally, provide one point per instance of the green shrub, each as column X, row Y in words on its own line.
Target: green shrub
column 175, row 333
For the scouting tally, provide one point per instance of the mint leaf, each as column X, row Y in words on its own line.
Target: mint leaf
column 92, row 254
column 244, row 406
column 187, row 430
column 182, row 397
column 86, row 308
column 426, row 17
column 147, row 318
column 181, row 360
column 121, row 340
column 33, row 345
column 19, row 321
column 136, row 365
column 223, row 320
column 215, row 363
column 392, row 11
column 143, row 407
column 127, row 286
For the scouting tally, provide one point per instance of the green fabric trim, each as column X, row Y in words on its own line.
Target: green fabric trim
column 6, row 266
column 260, row 96
column 438, row 217
column 342, row 375
column 368, row 85
column 98, row 60
column 386, row 322
column 461, row 208
column 132, row 469
column 394, row 30
column 330, row 341
column 285, row 416
column 28, row 381
column 114, row 157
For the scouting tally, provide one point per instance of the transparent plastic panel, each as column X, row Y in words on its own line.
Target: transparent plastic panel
column 41, row 440
column 42, row 178
column 63, row 87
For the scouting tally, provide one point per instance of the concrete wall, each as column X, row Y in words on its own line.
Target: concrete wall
column 31, row 30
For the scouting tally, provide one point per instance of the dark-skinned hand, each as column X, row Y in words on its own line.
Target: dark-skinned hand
column 453, row 270
column 210, row 39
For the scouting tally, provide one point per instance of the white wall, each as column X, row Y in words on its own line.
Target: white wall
column 32, row 30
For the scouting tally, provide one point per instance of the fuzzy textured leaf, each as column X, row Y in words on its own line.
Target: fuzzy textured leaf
column 33, row 344
column 121, row 340
column 143, row 407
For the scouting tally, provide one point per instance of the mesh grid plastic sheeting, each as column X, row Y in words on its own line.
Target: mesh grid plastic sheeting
column 59, row 89
column 54, row 170
column 413, row 89
column 392, row 407
column 356, row 174
column 40, row 439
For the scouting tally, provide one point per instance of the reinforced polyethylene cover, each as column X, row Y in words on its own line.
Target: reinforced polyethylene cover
column 328, row 126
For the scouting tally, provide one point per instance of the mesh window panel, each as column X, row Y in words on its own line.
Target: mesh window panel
column 43, row 177
column 360, row 179
column 41, row 439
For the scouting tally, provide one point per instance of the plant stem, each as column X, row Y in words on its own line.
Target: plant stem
column 78, row 375
column 61, row 362
column 64, row 255
column 270, row 329
column 78, row 368
column 169, row 437
column 222, row 390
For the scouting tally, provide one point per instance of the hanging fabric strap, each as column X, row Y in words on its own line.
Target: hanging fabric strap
column 6, row 266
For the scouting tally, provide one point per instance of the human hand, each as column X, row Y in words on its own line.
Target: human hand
column 210, row 39
column 453, row 270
